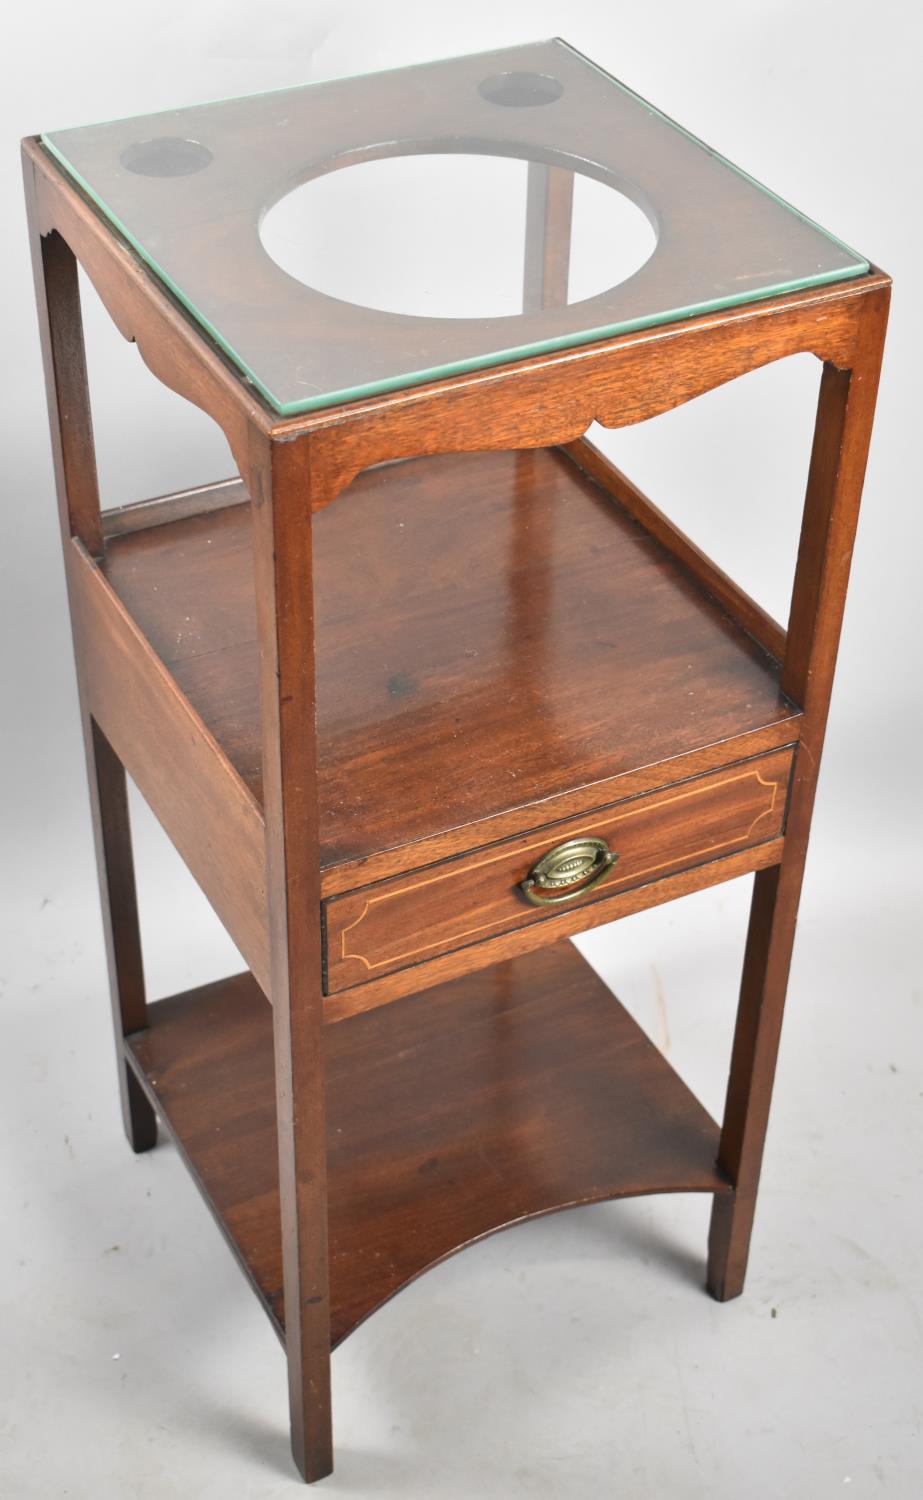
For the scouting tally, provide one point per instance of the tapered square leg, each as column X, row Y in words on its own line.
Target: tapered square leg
column 283, row 561
column 60, row 322
column 845, row 409
column 109, row 799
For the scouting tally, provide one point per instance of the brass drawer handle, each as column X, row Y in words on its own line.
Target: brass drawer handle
column 568, row 871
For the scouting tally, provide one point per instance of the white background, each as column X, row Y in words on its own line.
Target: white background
column 579, row 1356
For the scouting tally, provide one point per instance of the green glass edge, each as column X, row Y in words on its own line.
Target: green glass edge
column 500, row 356
column 167, row 281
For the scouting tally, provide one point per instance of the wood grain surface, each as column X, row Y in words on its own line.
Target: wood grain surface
column 414, row 917
column 522, row 645
column 183, row 774
column 532, row 1066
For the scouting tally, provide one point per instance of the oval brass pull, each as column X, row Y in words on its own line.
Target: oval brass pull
column 568, row 871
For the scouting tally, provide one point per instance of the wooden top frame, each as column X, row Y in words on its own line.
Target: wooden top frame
column 189, row 188
column 547, row 399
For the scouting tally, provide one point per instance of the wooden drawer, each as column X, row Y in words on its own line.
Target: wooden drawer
column 418, row 915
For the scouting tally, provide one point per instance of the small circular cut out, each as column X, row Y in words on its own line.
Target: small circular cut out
column 165, row 156
column 521, row 90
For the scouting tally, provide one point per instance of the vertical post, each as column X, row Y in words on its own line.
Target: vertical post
column 549, row 211
column 284, row 582
column 58, row 300
column 843, row 428
column 112, row 833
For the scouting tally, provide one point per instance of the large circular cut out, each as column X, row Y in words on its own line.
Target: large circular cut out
column 443, row 235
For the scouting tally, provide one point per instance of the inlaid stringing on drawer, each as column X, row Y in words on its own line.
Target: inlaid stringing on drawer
column 419, row 915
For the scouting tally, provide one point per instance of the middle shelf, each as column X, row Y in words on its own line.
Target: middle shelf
column 506, row 658
column 493, row 631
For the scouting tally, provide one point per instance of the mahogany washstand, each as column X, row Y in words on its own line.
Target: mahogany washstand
column 409, row 742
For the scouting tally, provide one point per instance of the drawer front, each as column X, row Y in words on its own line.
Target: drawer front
column 418, row 915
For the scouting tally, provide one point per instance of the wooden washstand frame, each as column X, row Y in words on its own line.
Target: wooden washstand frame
column 260, row 865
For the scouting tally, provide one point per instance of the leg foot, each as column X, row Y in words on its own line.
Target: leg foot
column 728, row 1247
column 138, row 1117
column 314, row 1465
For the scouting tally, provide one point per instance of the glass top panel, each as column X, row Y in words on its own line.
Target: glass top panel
column 347, row 238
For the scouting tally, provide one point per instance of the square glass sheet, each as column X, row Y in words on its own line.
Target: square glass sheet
column 347, row 238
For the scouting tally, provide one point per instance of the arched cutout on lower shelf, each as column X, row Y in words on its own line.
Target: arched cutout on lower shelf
column 511, row 1093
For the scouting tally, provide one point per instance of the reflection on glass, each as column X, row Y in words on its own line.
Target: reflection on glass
column 448, row 233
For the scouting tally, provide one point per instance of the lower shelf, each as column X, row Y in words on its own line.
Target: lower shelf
column 493, row 1098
